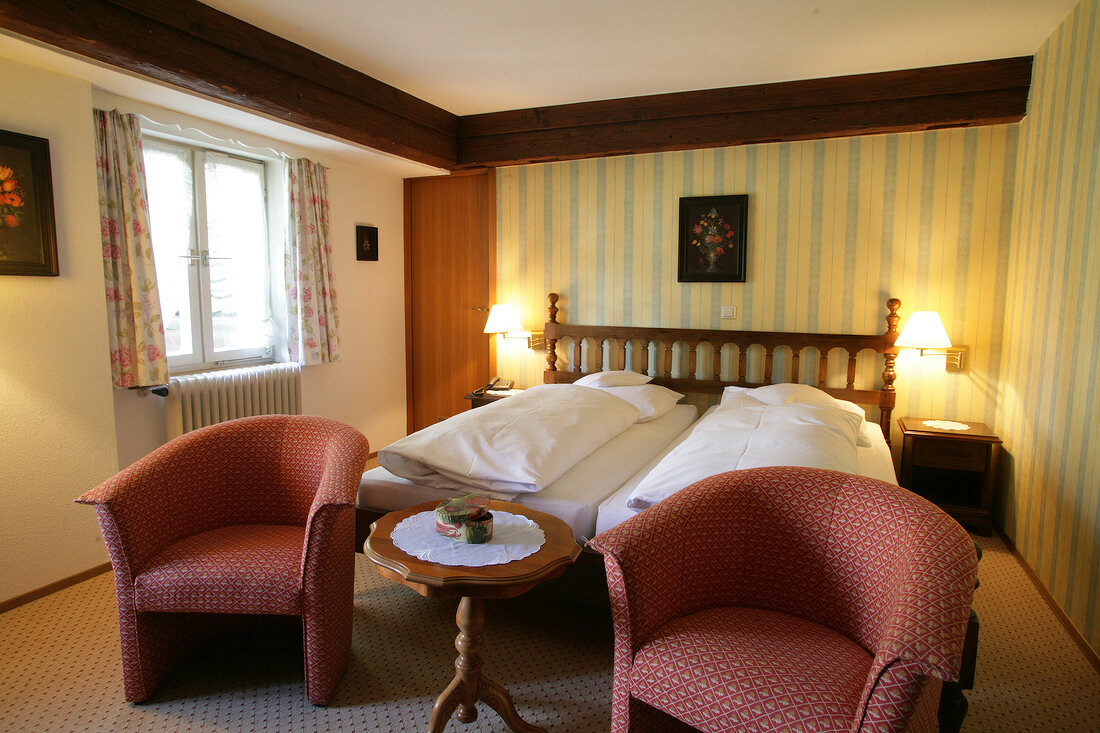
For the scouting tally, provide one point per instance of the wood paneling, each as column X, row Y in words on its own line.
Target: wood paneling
column 193, row 46
column 961, row 95
column 449, row 255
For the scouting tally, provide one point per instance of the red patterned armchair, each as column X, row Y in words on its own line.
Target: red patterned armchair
column 227, row 526
column 786, row 598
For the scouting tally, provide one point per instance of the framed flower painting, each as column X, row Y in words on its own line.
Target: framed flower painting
column 28, row 241
column 366, row 244
column 712, row 238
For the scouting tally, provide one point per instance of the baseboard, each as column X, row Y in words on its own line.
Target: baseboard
column 46, row 590
column 1074, row 632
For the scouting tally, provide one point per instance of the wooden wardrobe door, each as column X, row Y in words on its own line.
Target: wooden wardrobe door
column 450, row 253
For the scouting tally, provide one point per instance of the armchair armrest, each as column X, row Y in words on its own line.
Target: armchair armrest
column 652, row 559
column 345, row 456
column 910, row 633
column 145, row 507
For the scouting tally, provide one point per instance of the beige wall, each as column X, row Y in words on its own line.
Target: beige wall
column 56, row 416
column 1050, row 401
column 62, row 427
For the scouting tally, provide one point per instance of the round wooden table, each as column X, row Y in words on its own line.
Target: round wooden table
column 472, row 584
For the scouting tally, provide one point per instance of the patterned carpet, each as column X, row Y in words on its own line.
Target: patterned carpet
column 60, row 669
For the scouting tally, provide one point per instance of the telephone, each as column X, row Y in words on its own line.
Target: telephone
column 496, row 384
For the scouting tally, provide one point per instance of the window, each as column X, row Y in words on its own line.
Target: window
column 209, row 216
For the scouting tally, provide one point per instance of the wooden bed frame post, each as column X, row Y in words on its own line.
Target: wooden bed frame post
column 548, row 333
column 889, row 354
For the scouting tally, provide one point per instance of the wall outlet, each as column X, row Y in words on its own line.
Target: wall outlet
column 729, row 311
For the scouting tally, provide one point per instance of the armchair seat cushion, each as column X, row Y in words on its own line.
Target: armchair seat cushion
column 244, row 568
column 749, row 669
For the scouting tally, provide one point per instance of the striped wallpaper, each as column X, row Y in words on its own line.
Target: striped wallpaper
column 1050, row 413
column 835, row 228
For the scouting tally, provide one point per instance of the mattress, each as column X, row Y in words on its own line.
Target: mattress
column 875, row 461
column 574, row 497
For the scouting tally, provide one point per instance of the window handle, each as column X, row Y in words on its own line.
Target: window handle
column 192, row 256
column 206, row 258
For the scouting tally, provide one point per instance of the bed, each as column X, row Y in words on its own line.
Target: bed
column 703, row 364
column 591, row 495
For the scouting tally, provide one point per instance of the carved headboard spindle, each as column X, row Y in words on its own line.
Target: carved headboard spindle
column 851, row 370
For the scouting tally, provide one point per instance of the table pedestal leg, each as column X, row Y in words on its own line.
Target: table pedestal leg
column 469, row 685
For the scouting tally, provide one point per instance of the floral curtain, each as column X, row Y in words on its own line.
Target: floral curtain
column 133, row 303
column 312, row 320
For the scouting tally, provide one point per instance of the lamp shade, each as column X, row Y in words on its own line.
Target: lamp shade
column 923, row 330
column 502, row 318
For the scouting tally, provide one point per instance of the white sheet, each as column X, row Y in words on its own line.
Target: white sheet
column 573, row 497
column 521, row 444
column 874, row 460
column 745, row 433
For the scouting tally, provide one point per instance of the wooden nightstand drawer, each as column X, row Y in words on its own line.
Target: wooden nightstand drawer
column 951, row 454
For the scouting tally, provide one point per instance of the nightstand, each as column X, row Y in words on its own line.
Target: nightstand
column 954, row 469
column 480, row 400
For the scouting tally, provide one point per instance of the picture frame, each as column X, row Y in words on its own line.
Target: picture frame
column 28, row 237
column 366, row 243
column 713, row 236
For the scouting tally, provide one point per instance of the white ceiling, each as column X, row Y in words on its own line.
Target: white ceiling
column 473, row 56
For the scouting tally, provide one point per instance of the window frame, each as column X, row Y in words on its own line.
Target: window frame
column 203, row 357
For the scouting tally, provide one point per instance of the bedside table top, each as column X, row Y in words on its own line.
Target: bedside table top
column 490, row 395
column 977, row 430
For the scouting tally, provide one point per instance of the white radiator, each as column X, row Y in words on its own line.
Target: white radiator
column 197, row 400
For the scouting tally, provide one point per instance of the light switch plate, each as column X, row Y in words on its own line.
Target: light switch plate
column 729, row 311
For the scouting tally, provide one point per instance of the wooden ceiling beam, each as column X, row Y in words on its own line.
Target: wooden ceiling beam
column 960, row 95
column 195, row 47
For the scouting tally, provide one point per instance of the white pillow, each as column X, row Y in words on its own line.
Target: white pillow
column 613, row 379
column 652, row 400
column 776, row 394
column 732, row 392
column 864, row 439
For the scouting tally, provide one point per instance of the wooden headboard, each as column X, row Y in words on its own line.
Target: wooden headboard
column 755, row 355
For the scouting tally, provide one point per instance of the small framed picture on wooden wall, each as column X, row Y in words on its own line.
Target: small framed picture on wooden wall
column 28, row 240
column 366, row 243
column 712, row 238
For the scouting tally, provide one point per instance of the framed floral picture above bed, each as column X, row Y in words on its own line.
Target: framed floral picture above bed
column 712, row 238
column 28, row 241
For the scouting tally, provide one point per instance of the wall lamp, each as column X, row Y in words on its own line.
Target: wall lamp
column 503, row 320
column 924, row 331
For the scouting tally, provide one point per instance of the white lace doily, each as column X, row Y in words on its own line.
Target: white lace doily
column 946, row 425
column 514, row 538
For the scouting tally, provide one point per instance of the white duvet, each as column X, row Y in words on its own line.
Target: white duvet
column 745, row 433
column 517, row 445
